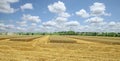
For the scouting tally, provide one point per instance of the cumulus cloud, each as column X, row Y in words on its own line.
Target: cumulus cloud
column 72, row 23
column 95, row 20
column 31, row 18
column 22, row 23
column 82, row 13
column 57, row 7
column 5, row 6
column 33, row 24
column 112, row 23
column 58, row 23
column 64, row 14
column 2, row 27
column 8, row 27
column 20, row 29
column 113, row 26
column 102, row 27
column 26, row 6
column 49, row 23
column 98, row 9
column 2, row 24
column 60, row 19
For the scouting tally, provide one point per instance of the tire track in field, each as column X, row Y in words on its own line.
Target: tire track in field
column 41, row 40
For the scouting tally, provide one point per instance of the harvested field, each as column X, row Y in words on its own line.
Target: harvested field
column 24, row 38
column 106, row 40
column 2, row 38
column 60, row 39
column 12, row 37
column 41, row 49
column 5, row 37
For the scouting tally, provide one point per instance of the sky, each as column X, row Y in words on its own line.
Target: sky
column 59, row 15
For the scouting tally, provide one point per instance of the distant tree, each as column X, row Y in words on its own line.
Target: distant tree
column 32, row 33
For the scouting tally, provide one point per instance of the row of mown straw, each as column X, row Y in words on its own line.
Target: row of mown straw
column 96, row 39
column 5, row 37
column 30, row 38
column 60, row 39
column 2, row 38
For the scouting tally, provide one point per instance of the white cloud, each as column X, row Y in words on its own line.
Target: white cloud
column 60, row 22
column 5, row 6
column 21, row 29
column 113, row 26
column 64, row 14
column 2, row 25
column 60, row 19
column 82, row 13
column 31, row 18
column 101, row 27
column 22, row 23
column 49, row 23
column 10, row 26
column 98, row 9
column 26, row 6
column 57, row 7
column 72, row 23
column 95, row 20
column 33, row 24
column 54, row 25
column 57, row 24
column 112, row 23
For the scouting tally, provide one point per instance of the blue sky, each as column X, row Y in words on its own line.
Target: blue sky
column 59, row 15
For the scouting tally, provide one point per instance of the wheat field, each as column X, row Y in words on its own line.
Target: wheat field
column 40, row 49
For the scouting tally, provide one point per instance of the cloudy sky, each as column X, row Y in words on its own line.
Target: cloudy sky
column 59, row 15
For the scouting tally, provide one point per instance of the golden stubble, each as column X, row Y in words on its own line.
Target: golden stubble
column 41, row 49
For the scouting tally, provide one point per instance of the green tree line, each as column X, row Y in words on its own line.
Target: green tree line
column 109, row 34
